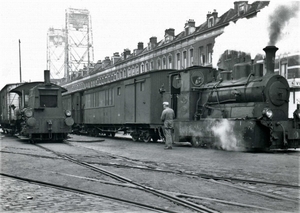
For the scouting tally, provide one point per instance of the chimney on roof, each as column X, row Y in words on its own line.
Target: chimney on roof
column 126, row 53
column 140, row 46
column 169, row 35
column 153, row 42
column 236, row 5
column 170, row 32
column 189, row 27
column 208, row 15
column 115, row 57
column 215, row 14
column 106, row 62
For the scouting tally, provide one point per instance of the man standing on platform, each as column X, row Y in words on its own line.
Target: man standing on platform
column 167, row 117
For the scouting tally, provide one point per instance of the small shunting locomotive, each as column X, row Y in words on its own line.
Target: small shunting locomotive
column 34, row 111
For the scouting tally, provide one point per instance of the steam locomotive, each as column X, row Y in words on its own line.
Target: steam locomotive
column 246, row 107
column 248, row 104
column 34, row 111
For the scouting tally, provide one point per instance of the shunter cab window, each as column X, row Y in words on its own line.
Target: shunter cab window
column 48, row 98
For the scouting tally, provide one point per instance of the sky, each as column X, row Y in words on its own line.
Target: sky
column 116, row 25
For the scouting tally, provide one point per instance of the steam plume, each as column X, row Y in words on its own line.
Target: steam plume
column 277, row 24
column 282, row 14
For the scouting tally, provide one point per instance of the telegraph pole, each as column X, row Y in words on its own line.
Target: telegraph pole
column 20, row 60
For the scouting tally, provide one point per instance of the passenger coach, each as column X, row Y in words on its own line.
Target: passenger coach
column 131, row 104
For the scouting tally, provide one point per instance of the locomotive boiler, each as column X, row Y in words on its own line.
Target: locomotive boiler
column 246, row 107
column 37, row 109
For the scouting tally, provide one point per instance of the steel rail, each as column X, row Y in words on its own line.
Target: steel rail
column 202, row 175
column 182, row 202
column 74, row 190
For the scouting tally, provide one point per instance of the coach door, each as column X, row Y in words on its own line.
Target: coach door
column 77, row 110
column 130, row 99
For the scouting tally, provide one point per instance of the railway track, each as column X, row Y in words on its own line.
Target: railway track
column 74, row 190
column 191, row 174
column 227, row 181
column 167, row 196
column 153, row 166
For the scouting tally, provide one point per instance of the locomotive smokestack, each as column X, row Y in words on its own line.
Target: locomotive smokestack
column 270, row 58
column 47, row 77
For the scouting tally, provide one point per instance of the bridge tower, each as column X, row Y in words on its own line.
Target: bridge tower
column 79, row 51
column 56, row 52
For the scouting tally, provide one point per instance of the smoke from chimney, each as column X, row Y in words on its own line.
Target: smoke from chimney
column 278, row 19
column 276, row 24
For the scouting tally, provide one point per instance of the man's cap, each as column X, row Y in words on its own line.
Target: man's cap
column 166, row 103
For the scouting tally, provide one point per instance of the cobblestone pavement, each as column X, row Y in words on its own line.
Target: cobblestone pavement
column 20, row 196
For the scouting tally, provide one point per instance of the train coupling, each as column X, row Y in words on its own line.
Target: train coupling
column 49, row 123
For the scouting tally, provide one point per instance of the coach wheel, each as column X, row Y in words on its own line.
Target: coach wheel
column 146, row 137
column 135, row 138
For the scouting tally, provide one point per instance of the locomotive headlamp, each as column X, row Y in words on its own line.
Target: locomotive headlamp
column 68, row 113
column 267, row 113
column 28, row 112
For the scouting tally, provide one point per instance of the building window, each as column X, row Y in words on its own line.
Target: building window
column 147, row 67
column 170, row 62
column 136, row 69
column 142, row 68
column 242, row 9
column 178, row 60
column 211, row 21
column 228, row 54
column 158, row 64
column 191, row 57
column 119, row 91
column 164, row 63
column 151, row 65
column 201, row 56
column 184, row 60
column 209, row 53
